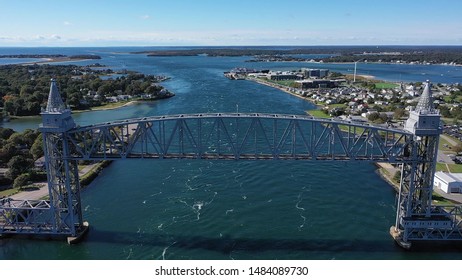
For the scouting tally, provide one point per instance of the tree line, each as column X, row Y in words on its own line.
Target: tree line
column 429, row 57
column 431, row 54
column 24, row 89
column 18, row 152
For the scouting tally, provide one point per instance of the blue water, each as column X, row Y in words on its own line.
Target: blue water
column 180, row 209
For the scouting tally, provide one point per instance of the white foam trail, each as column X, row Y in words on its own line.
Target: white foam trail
column 154, row 194
column 297, row 205
column 129, row 253
column 165, row 250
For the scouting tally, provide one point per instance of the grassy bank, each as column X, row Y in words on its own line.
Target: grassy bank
column 318, row 113
column 86, row 179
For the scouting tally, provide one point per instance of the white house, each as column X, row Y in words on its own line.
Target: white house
column 448, row 182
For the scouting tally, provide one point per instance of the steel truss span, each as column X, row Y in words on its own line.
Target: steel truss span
column 239, row 137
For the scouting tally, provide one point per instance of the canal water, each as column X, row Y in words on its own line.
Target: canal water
column 186, row 209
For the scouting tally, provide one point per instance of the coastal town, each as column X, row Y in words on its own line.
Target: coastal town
column 362, row 99
column 354, row 97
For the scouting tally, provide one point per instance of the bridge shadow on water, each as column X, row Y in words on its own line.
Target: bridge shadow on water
column 226, row 245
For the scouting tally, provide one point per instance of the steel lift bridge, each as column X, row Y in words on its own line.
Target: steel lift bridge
column 235, row 136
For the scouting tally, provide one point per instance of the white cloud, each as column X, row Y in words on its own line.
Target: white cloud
column 67, row 23
column 145, row 17
column 221, row 37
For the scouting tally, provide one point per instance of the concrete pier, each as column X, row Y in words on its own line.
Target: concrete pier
column 396, row 234
column 81, row 235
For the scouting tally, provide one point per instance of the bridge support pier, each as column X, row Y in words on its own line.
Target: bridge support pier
column 81, row 233
column 398, row 237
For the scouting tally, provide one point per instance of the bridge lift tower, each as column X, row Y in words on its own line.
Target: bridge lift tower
column 236, row 137
column 61, row 215
column 416, row 217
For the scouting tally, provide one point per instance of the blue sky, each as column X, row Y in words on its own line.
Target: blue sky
column 230, row 22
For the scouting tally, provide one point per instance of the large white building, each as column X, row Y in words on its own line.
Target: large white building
column 448, row 182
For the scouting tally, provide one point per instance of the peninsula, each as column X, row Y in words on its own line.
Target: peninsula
column 23, row 91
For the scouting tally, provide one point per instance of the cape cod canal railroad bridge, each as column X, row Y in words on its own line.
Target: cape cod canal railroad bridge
column 236, row 136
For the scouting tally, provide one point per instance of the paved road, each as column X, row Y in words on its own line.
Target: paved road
column 451, row 141
column 442, row 157
column 32, row 194
column 457, row 197
column 43, row 189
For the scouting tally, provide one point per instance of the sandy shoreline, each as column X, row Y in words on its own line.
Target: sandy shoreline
column 54, row 60
column 105, row 109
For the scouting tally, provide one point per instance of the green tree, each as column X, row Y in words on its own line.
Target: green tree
column 37, row 148
column 22, row 180
column 17, row 165
column 7, row 152
column 397, row 176
column 373, row 116
column 445, row 111
column 399, row 113
column 458, row 149
column 5, row 133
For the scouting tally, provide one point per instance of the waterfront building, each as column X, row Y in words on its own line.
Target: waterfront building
column 310, row 83
column 315, row 73
column 448, row 182
column 284, row 76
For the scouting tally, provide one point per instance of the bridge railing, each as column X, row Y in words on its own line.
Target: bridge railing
column 239, row 136
column 25, row 216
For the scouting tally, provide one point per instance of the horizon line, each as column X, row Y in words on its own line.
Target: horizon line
column 237, row 46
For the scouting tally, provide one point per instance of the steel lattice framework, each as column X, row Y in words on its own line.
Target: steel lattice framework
column 234, row 136
column 238, row 136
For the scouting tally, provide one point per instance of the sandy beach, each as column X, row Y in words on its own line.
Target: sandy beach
column 54, row 60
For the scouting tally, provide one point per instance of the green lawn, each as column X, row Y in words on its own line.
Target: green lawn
column 453, row 168
column 438, row 199
column 318, row 114
column 384, row 85
column 441, row 167
column 445, row 145
column 447, row 99
column 332, row 106
column 8, row 192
